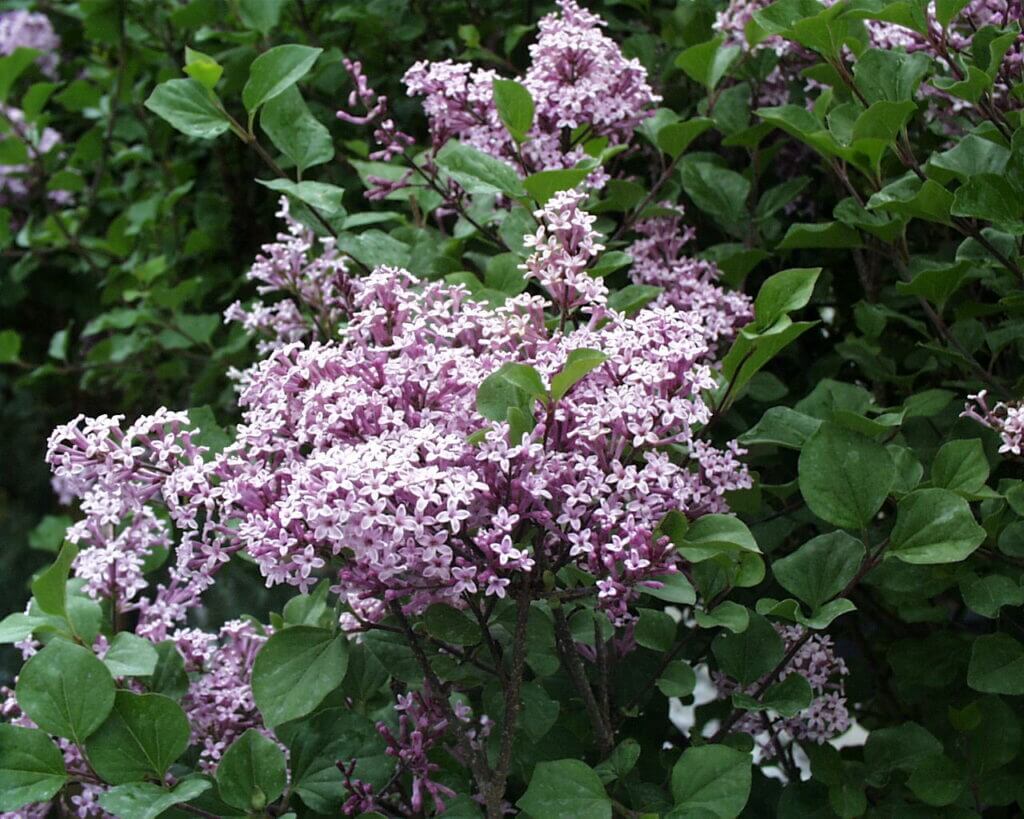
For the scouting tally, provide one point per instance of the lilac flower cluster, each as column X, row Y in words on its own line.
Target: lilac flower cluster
column 219, row 703
column 687, row 283
column 309, row 275
column 363, row 452
column 26, row 29
column 357, row 452
column 581, row 84
column 1006, row 418
column 422, row 726
column 816, row 661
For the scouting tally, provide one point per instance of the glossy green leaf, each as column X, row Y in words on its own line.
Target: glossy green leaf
column 515, row 107
column 820, row 569
column 934, row 526
column 31, row 767
column 844, row 476
column 66, row 690
column 144, row 800
column 565, row 789
column 189, row 107
column 711, row 780
column 275, row 71
column 141, row 737
column 295, row 132
column 295, row 670
column 252, row 773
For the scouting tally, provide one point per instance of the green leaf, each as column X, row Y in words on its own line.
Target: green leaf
column 909, row 197
column 65, row 690
column 718, row 191
column 620, row 762
column 845, row 477
column 675, row 588
column 169, row 676
column 478, row 172
column 961, row 466
column 10, row 345
column 890, row 75
column 655, row 630
column 12, row 66
column 707, row 63
column 142, row 736
column 578, row 364
column 788, row 698
column 987, row 595
column 514, row 385
column 970, row 156
column 31, row 767
column 50, row 588
column 295, row 132
column 821, row 568
column 252, row 773
column 261, row 15
column 275, row 71
column 936, row 281
column 565, row 789
column 515, row 107
column 783, row 293
column 749, row 655
column 711, row 780
column 937, row 781
column 777, row 197
column 451, row 625
column 727, row 614
column 677, row 680
column 781, row 426
column 202, row 68
column 997, row 665
column 130, row 656
column 990, row 197
column 144, row 800
column 545, row 184
column 820, row 234
column 295, row 670
column 752, row 350
column 934, row 526
column 189, row 107
column 676, row 137
column 899, row 748
column 17, row 626
column 711, row 535
column 319, row 195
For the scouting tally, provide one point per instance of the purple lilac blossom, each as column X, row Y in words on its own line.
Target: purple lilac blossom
column 219, row 702
column 26, row 29
column 1005, row 417
column 816, row 661
column 687, row 283
column 313, row 279
column 355, row 452
column 16, row 181
column 578, row 79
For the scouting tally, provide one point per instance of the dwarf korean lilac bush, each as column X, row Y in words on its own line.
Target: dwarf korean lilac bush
column 562, row 471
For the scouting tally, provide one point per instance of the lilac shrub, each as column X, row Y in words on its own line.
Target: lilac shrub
column 495, row 450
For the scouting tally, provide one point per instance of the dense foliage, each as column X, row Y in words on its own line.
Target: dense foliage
column 473, row 408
